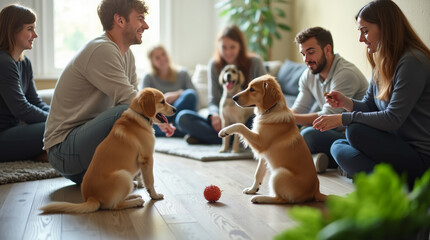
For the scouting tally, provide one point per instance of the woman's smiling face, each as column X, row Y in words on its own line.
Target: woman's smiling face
column 229, row 50
column 369, row 35
column 24, row 38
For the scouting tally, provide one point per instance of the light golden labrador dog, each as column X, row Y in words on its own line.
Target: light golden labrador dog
column 232, row 80
column 276, row 141
column 126, row 151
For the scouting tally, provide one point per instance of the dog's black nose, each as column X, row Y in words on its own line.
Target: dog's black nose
column 174, row 110
column 235, row 98
column 228, row 76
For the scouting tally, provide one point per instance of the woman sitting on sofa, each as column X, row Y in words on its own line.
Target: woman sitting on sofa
column 230, row 49
column 392, row 122
column 22, row 112
column 175, row 84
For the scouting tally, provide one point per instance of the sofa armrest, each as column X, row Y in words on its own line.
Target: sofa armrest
column 272, row 67
column 46, row 95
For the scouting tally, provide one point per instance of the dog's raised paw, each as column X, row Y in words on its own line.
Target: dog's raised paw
column 223, row 133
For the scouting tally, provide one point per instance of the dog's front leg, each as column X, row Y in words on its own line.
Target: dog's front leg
column 236, row 144
column 148, row 178
column 251, row 138
column 225, row 144
column 258, row 177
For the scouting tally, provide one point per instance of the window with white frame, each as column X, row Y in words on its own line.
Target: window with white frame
column 65, row 26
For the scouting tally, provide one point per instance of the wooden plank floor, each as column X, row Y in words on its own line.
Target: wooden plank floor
column 182, row 214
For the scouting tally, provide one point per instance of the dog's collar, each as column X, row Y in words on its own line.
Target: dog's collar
column 270, row 109
column 141, row 114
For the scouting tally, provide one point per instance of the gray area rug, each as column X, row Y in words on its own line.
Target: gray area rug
column 21, row 171
column 178, row 147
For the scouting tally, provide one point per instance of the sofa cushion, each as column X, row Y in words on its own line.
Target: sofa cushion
column 272, row 67
column 289, row 75
column 200, row 82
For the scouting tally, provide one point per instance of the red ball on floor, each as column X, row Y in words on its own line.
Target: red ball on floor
column 212, row 193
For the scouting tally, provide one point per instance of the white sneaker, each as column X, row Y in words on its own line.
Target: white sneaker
column 320, row 161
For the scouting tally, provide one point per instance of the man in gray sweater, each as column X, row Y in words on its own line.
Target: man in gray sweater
column 326, row 72
column 94, row 89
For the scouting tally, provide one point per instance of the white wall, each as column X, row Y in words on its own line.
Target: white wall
column 189, row 30
column 193, row 28
column 338, row 17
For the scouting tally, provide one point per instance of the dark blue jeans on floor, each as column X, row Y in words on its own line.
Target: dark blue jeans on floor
column 320, row 142
column 187, row 100
column 22, row 142
column 190, row 122
column 364, row 147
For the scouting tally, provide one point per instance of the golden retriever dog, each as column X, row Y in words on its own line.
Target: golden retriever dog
column 276, row 141
column 232, row 80
column 126, row 151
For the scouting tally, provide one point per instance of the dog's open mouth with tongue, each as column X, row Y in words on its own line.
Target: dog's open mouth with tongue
column 162, row 118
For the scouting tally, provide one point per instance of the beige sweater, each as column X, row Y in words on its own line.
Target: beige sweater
column 95, row 80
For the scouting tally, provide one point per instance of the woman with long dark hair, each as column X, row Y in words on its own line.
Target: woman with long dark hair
column 392, row 122
column 230, row 49
column 22, row 112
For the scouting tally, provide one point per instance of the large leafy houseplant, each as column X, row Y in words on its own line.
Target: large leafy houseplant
column 379, row 208
column 258, row 19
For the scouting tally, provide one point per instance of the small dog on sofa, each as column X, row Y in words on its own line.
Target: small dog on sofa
column 276, row 141
column 232, row 79
column 125, row 152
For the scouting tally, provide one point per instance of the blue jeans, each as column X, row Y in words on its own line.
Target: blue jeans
column 320, row 142
column 364, row 147
column 190, row 122
column 187, row 100
column 22, row 142
column 72, row 157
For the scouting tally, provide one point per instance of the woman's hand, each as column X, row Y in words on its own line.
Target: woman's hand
column 338, row 100
column 167, row 128
column 172, row 96
column 327, row 122
column 216, row 122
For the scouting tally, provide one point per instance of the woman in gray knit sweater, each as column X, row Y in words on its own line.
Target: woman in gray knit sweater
column 392, row 122
column 175, row 84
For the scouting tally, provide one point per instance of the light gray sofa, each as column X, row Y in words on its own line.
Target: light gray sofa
column 287, row 73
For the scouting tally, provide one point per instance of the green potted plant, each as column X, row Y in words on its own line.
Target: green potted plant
column 380, row 208
column 258, row 19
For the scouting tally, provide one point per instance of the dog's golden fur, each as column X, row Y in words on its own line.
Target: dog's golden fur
column 276, row 141
column 232, row 79
column 126, row 151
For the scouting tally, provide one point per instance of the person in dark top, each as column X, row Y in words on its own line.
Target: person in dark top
column 230, row 49
column 391, row 124
column 22, row 112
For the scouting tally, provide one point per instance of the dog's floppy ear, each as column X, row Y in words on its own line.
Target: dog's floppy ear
column 147, row 103
column 271, row 93
column 242, row 80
